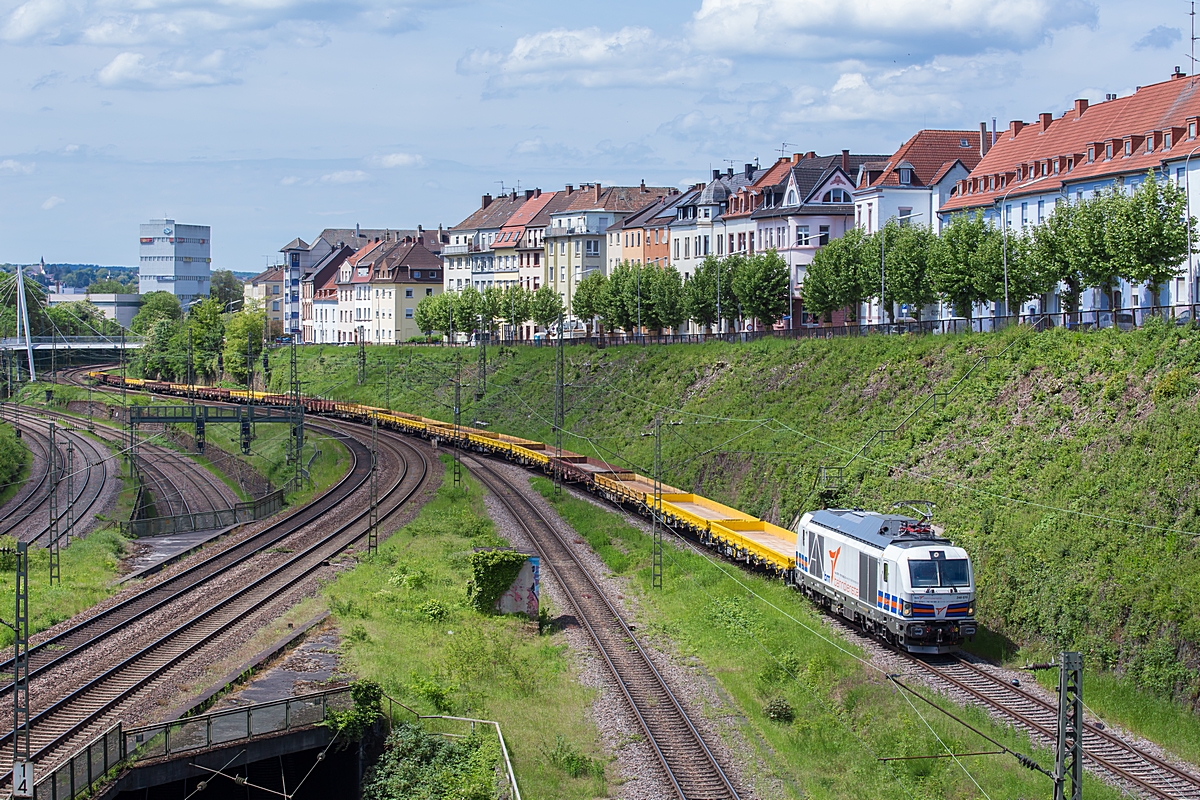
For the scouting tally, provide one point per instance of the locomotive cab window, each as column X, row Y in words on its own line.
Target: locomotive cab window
column 885, row 572
column 948, row 573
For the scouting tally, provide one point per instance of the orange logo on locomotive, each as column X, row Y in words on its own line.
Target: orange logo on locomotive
column 833, row 559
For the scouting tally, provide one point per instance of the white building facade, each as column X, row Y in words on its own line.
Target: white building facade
column 174, row 258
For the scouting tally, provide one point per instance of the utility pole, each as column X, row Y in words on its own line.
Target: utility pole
column 70, row 492
column 1068, row 761
column 20, row 629
column 362, row 360
column 387, row 385
column 298, row 423
column 373, row 520
column 457, row 463
column 52, row 455
column 481, row 384
column 190, row 371
column 558, row 408
column 656, row 568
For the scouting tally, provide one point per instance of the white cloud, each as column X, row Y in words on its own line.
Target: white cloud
column 345, row 176
column 593, row 58
column 52, row 201
column 12, row 167
column 132, row 71
column 917, row 29
column 289, row 180
column 36, row 19
column 392, row 160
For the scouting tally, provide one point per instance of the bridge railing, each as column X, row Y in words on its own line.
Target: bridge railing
column 248, row 511
column 68, row 341
column 85, row 771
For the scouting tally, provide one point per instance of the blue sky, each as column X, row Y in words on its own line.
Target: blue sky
column 270, row 119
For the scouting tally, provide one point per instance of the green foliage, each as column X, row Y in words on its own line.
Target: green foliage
column 515, row 304
column 761, row 287
column 225, row 288
column 545, row 306
column 111, row 286
column 492, row 573
column 591, row 296
column 416, row 765
column 567, row 757
column 368, row 707
column 700, row 293
column 908, row 254
column 778, row 709
column 1176, row 383
column 243, row 342
column 13, row 458
column 965, row 261
column 836, row 277
column 156, row 307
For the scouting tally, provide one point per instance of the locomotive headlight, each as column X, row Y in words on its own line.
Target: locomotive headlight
column 971, row 610
column 907, row 609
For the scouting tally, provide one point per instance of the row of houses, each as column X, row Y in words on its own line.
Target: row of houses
column 353, row 285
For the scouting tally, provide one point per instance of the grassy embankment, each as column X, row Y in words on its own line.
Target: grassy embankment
column 14, row 462
column 1066, row 466
column 843, row 713
column 408, row 625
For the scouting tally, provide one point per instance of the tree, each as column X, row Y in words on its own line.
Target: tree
column 1150, row 239
column 666, row 297
column 491, row 306
column 546, row 307
column 834, row 279
column 467, row 305
column 244, row 329
column 226, row 288
column 761, row 287
column 81, row 318
column 156, row 306
column 515, row 306
column 1093, row 240
column 1051, row 249
column 908, row 273
column 432, row 313
column 700, row 293
column 621, row 301
column 591, row 297
column 108, row 286
column 208, row 336
column 964, row 262
column 727, row 272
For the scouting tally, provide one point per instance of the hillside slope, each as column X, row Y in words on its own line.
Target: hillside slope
column 1066, row 466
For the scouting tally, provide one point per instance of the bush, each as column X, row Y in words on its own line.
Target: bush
column 779, row 710
column 433, row 610
column 566, row 757
column 1176, row 383
column 492, row 573
column 416, row 764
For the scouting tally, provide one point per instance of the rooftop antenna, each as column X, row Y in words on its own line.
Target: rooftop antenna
column 783, row 148
column 1192, row 55
column 501, row 186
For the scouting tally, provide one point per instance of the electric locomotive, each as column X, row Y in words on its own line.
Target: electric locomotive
column 890, row 574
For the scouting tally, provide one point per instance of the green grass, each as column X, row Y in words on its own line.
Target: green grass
column 760, row 641
column 88, row 568
column 14, row 463
column 1065, row 466
column 407, row 624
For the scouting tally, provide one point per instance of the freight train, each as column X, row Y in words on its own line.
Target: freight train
column 890, row 574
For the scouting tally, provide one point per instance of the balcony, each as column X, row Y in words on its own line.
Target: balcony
column 459, row 249
column 581, row 230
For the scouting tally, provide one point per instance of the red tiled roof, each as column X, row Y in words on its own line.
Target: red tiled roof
column 494, row 215
column 930, row 154
column 773, row 176
column 617, row 198
column 1152, row 109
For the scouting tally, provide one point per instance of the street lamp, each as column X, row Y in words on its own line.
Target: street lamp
column 883, row 256
column 1004, row 233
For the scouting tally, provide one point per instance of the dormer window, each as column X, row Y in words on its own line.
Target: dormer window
column 1056, row 166
column 1167, row 140
column 1192, row 129
column 964, row 143
column 791, row 197
column 836, row 196
column 905, row 176
column 1091, row 154
column 1128, row 147
column 1020, row 172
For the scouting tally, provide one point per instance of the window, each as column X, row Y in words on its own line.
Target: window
column 408, row 313
column 1179, row 175
column 1056, row 166
column 1041, row 214
column 676, row 249
column 1167, row 140
column 274, row 305
column 905, row 175
column 823, row 232
column 905, row 213
column 705, row 246
column 686, row 246
column 1192, row 130
column 274, row 290
column 593, row 247
column 791, row 197
column 720, row 245
column 801, row 235
column 839, row 195
column 1107, row 151
column 562, row 248
column 1128, row 147
column 429, row 292
column 1008, row 215
column 1091, row 154
column 408, row 292
column 1024, row 213
column 577, row 247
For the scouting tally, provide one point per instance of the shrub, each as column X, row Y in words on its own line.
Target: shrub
column 416, row 764
column 433, row 610
column 1176, row 383
column 566, row 757
column 779, row 710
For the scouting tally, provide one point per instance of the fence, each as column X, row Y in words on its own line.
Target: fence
column 84, row 771
column 248, row 511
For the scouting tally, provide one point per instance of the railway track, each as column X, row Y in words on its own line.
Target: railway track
column 1104, row 751
column 29, row 520
column 59, row 726
column 690, row 767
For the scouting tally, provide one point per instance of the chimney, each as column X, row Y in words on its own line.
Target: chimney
column 570, row 188
column 1014, row 127
column 485, row 201
column 749, row 171
column 1081, row 106
column 529, row 194
column 795, row 158
column 983, row 139
column 811, row 154
column 514, row 194
column 1177, row 74
column 845, row 161
column 643, row 184
column 597, row 192
column 357, row 231
column 1045, row 119
column 537, row 192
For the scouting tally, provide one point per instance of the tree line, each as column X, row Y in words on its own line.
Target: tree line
column 634, row 296
column 224, row 346
column 1141, row 237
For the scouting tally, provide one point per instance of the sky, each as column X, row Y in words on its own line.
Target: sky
column 272, row 119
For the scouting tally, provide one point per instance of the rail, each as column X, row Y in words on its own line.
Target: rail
column 418, row 716
column 248, row 511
